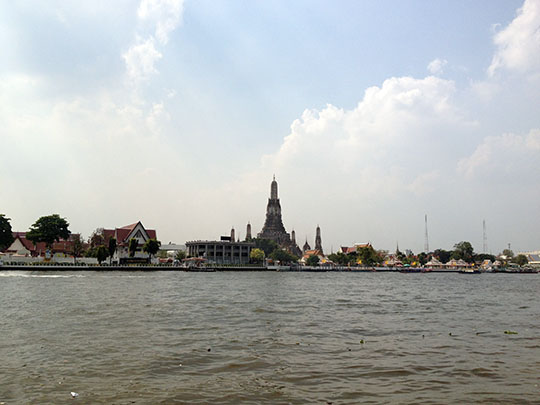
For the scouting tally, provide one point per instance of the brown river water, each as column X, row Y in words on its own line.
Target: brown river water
column 268, row 338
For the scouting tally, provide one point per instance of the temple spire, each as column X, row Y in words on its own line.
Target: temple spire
column 318, row 241
column 248, row 232
column 273, row 189
column 273, row 225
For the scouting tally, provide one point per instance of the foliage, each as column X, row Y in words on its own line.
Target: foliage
column 344, row 259
column 480, row 257
column 101, row 253
column 133, row 244
column 463, row 250
column 162, row 254
column 6, row 234
column 422, row 258
column 97, row 238
column 111, row 248
column 181, row 255
column 49, row 229
column 151, row 246
column 313, row 260
column 508, row 253
column 282, row 256
column 521, row 260
column 77, row 247
column 256, row 255
column 400, row 255
column 266, row 245
column 368, row 256
column 91, row 252
column 442, row 255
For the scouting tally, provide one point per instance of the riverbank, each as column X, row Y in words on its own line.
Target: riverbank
column 155, row 268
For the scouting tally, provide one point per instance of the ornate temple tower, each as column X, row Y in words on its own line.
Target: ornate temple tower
column 294, row 249
column 318, row 241
column 306, row 247
column 248, row 232
column 273, row 225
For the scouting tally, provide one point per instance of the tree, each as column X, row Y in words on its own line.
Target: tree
column 368, row 256
column 257, row 255
column 508, row 253
column 49, row 229
column 132, row 247
column 6, row 234
column 463, row 250
column 521, row 260
column 112, row 248
column 266, row 245
column 282, row 256
column 442, row 255
column 97, row 238
column 480, row 257
column 101, row 253
column 313, row 260
column 423, row 258
column 180, row 255
column 77, row 247
column 151, row 247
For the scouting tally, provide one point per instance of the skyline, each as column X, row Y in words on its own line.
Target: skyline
column 371, row 116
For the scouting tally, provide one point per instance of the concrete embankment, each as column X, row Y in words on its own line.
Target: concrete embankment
column 7, row 267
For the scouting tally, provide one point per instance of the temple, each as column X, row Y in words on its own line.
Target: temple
column 318, row 241
column 273, row 228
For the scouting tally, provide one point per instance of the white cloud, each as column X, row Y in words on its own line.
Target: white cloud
column 156, row 117
column 166, row 14
column 508, row 156
column 436, row 66
column 140, row 60
column 425, row 183
column 399, row 116
column 518, row 45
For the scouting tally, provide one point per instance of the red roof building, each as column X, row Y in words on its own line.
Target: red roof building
column 24, row 247
column 123, row 236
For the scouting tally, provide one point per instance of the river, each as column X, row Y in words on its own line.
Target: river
column 268, row 338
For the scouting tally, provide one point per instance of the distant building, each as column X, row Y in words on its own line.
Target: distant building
column 306, row 247
column 123, row 235
column 532, row 257
column 318, row 240
column 248, row 232
column 314, row 252
column 273, row 228
column 24, row 247
column 294, row 249
column 224, row 251
column 353, row 249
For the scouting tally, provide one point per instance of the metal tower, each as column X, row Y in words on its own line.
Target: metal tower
column 426, row 239
column 484, row 237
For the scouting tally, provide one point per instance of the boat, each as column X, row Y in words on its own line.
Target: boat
column 469, row 271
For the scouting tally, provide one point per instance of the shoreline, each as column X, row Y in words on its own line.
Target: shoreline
column 237, row 268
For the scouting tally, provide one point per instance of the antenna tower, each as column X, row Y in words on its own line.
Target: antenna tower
column 426, row 239
column 484, row 237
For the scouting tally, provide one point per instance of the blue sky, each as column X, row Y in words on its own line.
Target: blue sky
column 371, row 115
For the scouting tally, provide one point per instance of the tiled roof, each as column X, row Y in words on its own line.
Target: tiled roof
column 121, row 234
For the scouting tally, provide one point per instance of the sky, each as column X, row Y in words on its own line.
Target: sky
column 371, row 115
